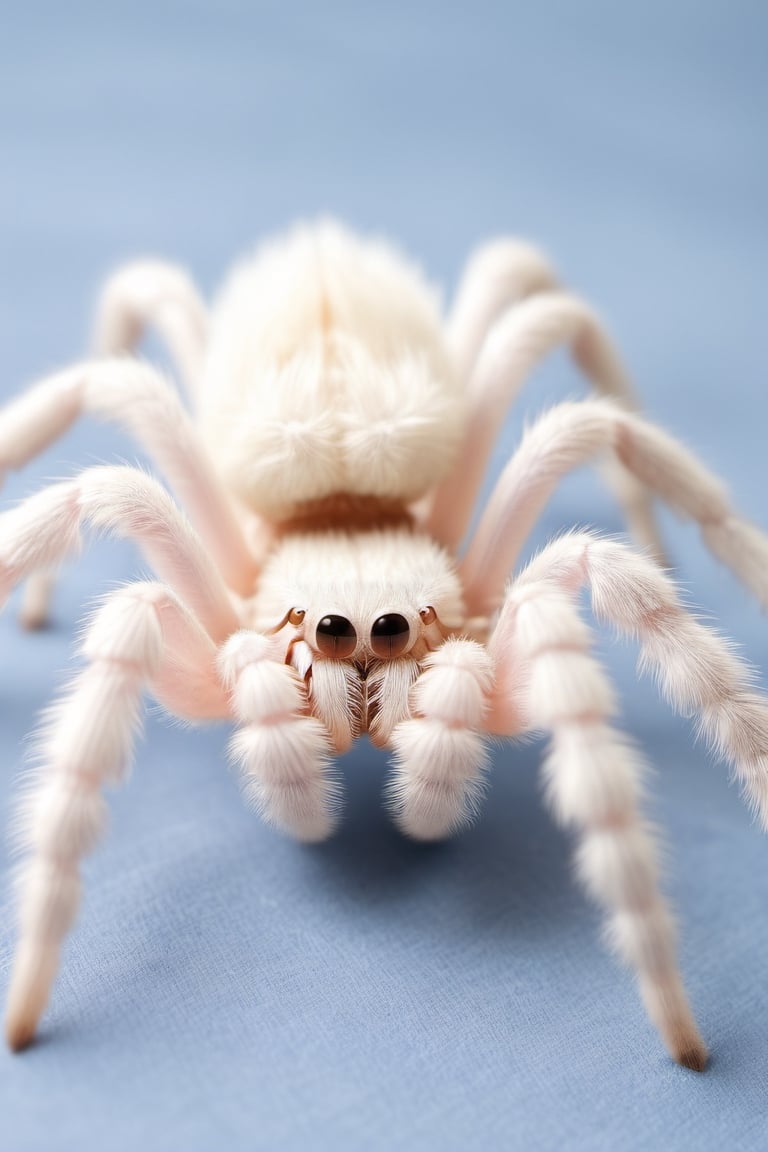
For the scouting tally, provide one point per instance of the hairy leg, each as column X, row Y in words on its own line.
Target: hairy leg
column 593, row 781
column 697, row 670
column 571, row 435
column 283, row 753
column 516, row 344
column 439, row 752
column 45, row 528
column 498, row 275
column 136, row 396
column 139, row 634
column 151, row 293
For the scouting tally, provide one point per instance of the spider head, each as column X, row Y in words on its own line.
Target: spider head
column 388, row 636
column 362, row 598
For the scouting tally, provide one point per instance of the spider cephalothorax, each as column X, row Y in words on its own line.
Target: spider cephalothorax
column 340, row 436
column 361, row 622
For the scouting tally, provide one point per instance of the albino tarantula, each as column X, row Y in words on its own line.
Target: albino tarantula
column 340, row 439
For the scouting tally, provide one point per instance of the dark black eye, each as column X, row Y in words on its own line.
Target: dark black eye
column 390, row 635
column 336, row 637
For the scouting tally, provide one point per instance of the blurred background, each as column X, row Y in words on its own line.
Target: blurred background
column 224, row 987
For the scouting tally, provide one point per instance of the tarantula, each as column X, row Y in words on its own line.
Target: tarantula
column 341, row 433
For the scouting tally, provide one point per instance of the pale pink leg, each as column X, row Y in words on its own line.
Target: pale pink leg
column 516, row 344
column 36, row 600
column 151, row 293
column 45, row 528
column 140, row 633
column 136, row 396
column 698, row 671
column 498, row 275
column 283, row 753
column 440, row 757
column 571, row 435
column 593, row 780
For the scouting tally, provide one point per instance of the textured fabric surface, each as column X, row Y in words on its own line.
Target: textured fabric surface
column 225, row 988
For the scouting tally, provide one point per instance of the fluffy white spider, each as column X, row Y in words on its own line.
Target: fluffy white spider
column 340, row 440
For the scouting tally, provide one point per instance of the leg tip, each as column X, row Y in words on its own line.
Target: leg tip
column 693, row 1055
column 429, row 812
column 668, row 1009
column 19, row 1032
column 308, row 827
column 33, row 975
column 36, row 599
column 425, row 832
column 32, row 621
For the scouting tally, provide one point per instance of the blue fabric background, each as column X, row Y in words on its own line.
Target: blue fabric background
column 225, row 988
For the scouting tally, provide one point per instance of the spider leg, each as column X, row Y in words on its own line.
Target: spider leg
column 521, row 338
column 593, row 779
column 283, row 753
column 571, row 435
column 153, row 293
column 136, row 396
column 498, row 274
column 440, row 757
column 698, row 671
column 139, row 636
column 45, row 528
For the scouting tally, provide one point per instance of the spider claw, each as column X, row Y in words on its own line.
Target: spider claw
column 693, row 1056
column 33, row 975
column 33, row 614
column 684, row 1043
column 19, row 1033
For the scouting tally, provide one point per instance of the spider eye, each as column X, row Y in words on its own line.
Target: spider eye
column 336, row 637
column 390, row 635
column 296, row 616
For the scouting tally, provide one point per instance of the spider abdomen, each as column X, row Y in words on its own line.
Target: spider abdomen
column 328, row 373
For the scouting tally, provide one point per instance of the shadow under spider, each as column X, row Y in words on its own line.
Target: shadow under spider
column 510, row 870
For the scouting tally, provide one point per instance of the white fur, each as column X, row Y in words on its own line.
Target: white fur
column 573, row 434
column 85, row 743
column 616, row 858
column 437, row 779
column 361, row 576
column 284, row 774
column 45, row 529
column 283, row 754
column 497, row 277
column 328, row 372
column 697, row 670
column 136, row 396
column 151, row 293
column 514, row 346
column 388, row 695
column 337, row 696
column 595, row 783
